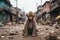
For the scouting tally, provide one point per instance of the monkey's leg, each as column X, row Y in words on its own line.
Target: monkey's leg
column 34, row 29
column 26, row 32
column 25, row 29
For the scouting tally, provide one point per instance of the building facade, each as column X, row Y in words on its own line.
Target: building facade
column 22, row 16
column 14, row 12
column 55, row 9
column 46, row 9
column 43, row 12
column 50, row 12
column 5, row 11
column 39, row 13
column 17, row 14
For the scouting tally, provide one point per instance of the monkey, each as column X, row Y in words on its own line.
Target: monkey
column 30, row 25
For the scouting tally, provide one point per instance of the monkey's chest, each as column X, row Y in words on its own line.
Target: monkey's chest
column 30, row 24
column 30, row 28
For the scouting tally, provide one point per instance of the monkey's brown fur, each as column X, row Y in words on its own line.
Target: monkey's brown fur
column 30, row 25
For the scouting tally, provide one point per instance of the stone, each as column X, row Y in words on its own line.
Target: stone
column 58, row 37
column 12, row 33
column 2, row 36
column 11, row 37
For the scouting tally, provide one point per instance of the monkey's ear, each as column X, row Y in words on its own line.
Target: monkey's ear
column 27, row 15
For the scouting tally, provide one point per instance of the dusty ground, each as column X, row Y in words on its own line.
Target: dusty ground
column 5, row 32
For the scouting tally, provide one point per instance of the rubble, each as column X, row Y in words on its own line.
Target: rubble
column 13, row 33
column 51, row 36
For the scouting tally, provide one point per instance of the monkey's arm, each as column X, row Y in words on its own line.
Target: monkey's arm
column 25, row 27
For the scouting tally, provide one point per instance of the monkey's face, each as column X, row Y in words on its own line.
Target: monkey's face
column 30, row 18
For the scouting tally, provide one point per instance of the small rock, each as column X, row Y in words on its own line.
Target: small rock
column 12, row 33
column 2, row 36
column 16, row 31
column 11, row 37
column 57, row 27
column 58, row 38
column 47, row 28
column 54, row 25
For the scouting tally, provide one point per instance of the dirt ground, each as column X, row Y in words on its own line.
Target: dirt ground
column 15, row 32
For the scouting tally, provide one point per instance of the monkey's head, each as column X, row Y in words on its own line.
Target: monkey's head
column 30, row 15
